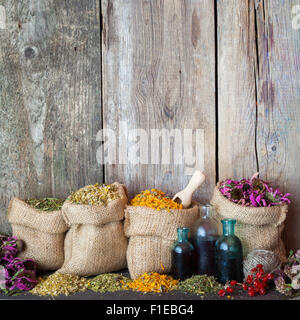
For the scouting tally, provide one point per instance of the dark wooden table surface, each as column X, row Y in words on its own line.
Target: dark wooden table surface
column 129, row 295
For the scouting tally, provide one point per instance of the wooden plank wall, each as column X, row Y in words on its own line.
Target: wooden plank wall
column 258, row 97
column 50, row 71
column 159, row 72
column 71, row 68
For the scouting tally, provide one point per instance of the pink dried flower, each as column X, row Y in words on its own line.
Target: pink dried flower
column 253, row 192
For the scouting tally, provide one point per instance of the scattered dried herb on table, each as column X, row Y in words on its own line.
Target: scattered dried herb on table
column 287, row 278
column 155, row 199
column 16, row 274
column 59, row 283
column 46, row 204
column 151, row 282
column 199, row 285
column 109, row 282
column 95, row 195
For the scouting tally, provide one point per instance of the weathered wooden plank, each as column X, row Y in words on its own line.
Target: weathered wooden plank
column 50, row 100
column 159, row 72
column 278, row 140
column 236, row 89
column 258, row 97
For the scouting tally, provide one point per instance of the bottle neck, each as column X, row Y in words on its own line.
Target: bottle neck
column 182, row 234
column 228, row 227
column 207, row 211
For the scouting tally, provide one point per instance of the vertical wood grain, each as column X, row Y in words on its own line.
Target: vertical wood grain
column 278, row 131
column 159, row 72
column 236, row 89
column 50, row 101
column 258, row 94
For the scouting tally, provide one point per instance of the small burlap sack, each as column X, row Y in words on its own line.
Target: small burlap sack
column 257, row 227
column 42, row 232
column 151, row 236
column 95, row 242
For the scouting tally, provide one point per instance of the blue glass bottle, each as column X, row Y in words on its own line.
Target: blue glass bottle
column 204, row 236
column 182, row 256
column 229, row 254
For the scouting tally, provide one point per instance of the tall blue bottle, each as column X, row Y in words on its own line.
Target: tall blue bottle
column 204, row 236
column 229, row 254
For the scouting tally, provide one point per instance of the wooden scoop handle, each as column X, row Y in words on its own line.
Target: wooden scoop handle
column 185, row 196
column 195, row 182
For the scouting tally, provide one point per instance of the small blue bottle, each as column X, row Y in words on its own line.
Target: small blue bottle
column 229, row 254
column 182, row 256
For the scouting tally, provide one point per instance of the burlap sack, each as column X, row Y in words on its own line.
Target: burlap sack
column 95, row 242
column 42, row 232
column 151, row 236
column 257, row 227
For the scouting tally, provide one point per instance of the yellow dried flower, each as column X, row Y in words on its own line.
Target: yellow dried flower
column 155, row 199
column 151, row 282
column 60, row 283
column 95, row 195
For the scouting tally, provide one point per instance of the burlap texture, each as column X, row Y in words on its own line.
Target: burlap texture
column 257, row 227
column 152, row 234
column 95, row 242
column 42, row 232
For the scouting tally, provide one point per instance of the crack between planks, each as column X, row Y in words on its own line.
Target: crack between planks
column 101, row 79
column 216, row 89
column 256, row 68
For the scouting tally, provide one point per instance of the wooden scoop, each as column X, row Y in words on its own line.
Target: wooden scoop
column 185, row 196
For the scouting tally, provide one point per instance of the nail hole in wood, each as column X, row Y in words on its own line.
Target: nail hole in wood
column 29, row 53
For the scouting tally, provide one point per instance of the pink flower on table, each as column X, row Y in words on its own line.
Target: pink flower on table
column 295, row 269
column 295, row 284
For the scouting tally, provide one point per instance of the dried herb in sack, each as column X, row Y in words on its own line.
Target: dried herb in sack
column 155, row 199
column 253, row 192
column 46, row 204
column 95, row 242
column 95, row 195
column 42, row 228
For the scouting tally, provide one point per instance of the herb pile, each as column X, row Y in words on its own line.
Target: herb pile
column 95, row 195
column 287, row 279
column 46, row 204
column 253, row 192
column 109, row 282
column 15, row 274
column 59, row 283
column 155, row 199
column 151, row 282
column 199, row 285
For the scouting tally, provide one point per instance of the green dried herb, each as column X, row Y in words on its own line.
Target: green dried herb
column 46, row 204
column 95, row 195
column 269, row 196
column 199, row 285
column 109, row 282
